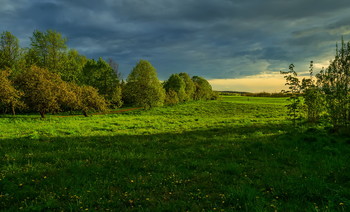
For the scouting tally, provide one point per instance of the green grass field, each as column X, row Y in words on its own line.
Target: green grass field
column 236, row 153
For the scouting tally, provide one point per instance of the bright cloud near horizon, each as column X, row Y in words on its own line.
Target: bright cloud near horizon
column 236, row 45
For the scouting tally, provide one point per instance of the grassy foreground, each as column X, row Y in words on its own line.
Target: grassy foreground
column 237, row 153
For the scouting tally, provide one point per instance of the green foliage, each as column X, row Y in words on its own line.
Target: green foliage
column 116, row 97
column 189, row 86
column 10, row 98
column 46, row 92
column 293, row 83
column 48, row 50
column 73, row 67
column 176, row 84
column 203, row 90
column 171, row 97
column 328, row 95
column 313, row 97
column 9, row 51
column 215, row 95
column 143, row 87
column 335, row 83
column 99, row 74
column 41, row 89
column 88, row 99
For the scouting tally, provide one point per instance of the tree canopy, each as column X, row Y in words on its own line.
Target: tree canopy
column 99, row 74
column 189, row 86
column 48, row 50
column 9, row 96
column 176, row 83
column 203, row 90
column 9, row 51
column 41, row 89
column 143, row 87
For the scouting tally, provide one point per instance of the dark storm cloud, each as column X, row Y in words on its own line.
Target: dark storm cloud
column 215, row 39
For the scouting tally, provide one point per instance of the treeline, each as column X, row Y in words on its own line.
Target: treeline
column 265, row 94
column 258, row 94
column 325, row 95
column 48, row 77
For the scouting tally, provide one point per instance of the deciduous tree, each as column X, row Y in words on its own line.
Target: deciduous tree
column 176, row 84
column 41, row 89
column 143, row 87
column 9, row 96
column 171, row 97
column 335, row 83
column 294, row 90
column 87, row 99
column 9, row 51
column 49, row 49
column 99, row 74
column 203, row 90
column 313, row 97
column 73, row 66
column 189, row 86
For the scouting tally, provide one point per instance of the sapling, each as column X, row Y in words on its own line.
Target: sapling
column 313, row 97
column 294, row 91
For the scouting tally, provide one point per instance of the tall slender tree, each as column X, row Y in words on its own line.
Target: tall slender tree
column 9, row 51
column 313, row 97
column 294, row 90
column 49, row 49
column 335, row 83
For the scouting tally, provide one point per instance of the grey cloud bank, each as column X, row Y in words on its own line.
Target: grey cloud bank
column 214, row 39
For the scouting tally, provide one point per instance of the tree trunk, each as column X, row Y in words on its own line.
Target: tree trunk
column 85, row 114
column 42, row 115
column 13, row 110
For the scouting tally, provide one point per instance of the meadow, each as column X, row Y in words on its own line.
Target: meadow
column 235, row 153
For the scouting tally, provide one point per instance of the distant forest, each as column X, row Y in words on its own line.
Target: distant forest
column 49, row 77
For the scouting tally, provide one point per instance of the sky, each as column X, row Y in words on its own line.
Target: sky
column 238, row 45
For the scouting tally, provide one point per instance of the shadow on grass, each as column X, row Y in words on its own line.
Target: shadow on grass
column 232, row 168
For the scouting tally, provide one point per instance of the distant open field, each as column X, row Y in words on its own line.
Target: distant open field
column 236, row 153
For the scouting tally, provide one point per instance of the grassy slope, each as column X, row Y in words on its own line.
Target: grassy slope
column 236, row 153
